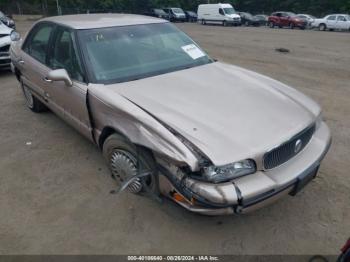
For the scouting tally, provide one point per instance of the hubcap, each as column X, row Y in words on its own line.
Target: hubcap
column 28, row 96
column 124, row 166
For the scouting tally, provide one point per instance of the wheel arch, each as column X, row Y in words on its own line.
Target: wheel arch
column 106, row 132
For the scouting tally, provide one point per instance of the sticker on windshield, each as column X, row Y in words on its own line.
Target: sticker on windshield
column 193, row 51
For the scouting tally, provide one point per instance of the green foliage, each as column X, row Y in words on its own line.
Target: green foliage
column 316, row 7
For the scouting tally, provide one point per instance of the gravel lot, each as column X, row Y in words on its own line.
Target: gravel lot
column 54, row 185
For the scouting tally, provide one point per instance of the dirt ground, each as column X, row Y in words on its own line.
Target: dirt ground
column 55, row 188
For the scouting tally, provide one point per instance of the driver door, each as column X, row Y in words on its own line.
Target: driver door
column 68, row 101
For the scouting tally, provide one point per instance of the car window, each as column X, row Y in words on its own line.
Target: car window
column 341, row 18
column 221, row 11
column 332, row 17
column 38, row 43
column 64, row 54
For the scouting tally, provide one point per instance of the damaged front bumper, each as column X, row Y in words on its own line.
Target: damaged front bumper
column 253, row 191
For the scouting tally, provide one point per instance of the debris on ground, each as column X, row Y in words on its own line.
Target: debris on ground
column 282, row 50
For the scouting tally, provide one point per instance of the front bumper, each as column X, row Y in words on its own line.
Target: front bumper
column 254, row 191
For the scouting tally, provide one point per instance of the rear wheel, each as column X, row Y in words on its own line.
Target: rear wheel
column 32, row 102
column 126, row 160
column 322, row 27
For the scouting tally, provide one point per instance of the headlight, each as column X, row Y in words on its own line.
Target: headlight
column 228, row 172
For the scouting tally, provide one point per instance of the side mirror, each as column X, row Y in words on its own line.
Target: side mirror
column 59, row 75
column 15, row 36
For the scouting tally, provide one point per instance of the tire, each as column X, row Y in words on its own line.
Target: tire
column 224, row 23
column 141, row 158
column 291, row 26
column 203, row 22
column 271, row 24
column 246, row 23
column 322, row 27
column 32, row 102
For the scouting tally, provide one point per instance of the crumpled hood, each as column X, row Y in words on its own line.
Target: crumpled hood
column 228, row 112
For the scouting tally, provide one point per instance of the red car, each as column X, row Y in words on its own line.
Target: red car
column 286, row 19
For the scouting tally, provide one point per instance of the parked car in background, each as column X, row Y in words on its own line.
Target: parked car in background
column 223, row 14
column 263, row 19
column 155, row 12
column 309, row 18
column 191, row 16
column 175, row 14
column 286, row 19
column 248, row 19
column 332, row 22
column 5, row 42
column 7, row 20
column 139, row 88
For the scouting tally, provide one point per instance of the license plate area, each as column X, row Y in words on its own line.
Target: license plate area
column 303, row 180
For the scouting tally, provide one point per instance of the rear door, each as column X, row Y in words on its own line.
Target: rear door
column 70, row 100
column 285, row 19
column 33, row 60
column 342, row 23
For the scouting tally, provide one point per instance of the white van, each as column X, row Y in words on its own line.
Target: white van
column 224, row 14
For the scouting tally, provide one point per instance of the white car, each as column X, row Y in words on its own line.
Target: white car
column 333, row 22
column 223, row 14
column 5, row 42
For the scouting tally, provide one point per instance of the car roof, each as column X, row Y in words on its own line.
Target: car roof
column 91, row 21
column 337, row 14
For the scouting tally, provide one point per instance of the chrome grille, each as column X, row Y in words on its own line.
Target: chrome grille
column 5, row 48
column 288, row 150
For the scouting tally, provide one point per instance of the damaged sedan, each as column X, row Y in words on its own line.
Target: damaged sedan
column 215, row 138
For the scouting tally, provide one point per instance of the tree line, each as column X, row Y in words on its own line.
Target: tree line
column 49, row 7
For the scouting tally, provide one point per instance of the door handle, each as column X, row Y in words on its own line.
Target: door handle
column 47, row 80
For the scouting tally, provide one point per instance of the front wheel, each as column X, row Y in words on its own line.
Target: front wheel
column 32, row 102
column 322, row 27
column 126, row 160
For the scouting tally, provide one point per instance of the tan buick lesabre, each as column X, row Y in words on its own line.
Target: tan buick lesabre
column 215, row 138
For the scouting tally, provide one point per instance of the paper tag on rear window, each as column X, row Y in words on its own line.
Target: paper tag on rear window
column 193, row 51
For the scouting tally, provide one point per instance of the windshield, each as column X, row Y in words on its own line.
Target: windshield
column 119, row 54
column 291, row 14
column 178, row 11
column 229, row 11
column 248, row 15
column 159, row 12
